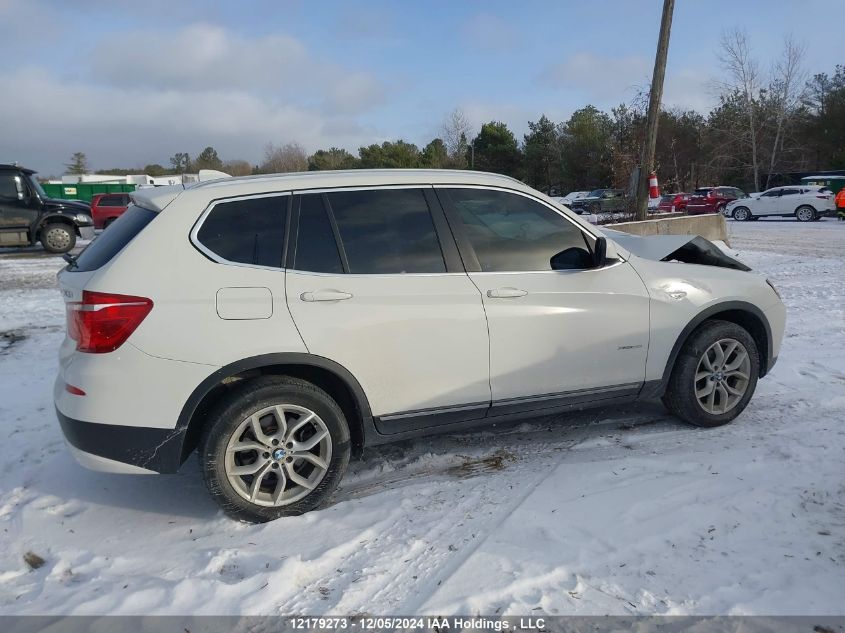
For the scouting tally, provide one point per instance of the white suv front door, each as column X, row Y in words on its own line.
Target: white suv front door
column 560, row 331
column 368, row 287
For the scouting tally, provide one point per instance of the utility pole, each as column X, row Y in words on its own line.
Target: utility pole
column 647, row 157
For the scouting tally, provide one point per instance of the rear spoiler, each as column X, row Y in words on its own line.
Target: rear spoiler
column 155, row 198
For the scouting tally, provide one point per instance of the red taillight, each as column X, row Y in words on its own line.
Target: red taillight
column 102, row 321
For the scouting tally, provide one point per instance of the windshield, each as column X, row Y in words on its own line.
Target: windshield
column 38, row 188
column 596, row 193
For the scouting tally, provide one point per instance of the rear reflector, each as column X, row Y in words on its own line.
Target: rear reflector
column 102, row 322
column 74, row 390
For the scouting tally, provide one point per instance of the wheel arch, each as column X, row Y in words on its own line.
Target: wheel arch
column 55, row 218
column 330, row 376
column 805, row 204
column 746, row 315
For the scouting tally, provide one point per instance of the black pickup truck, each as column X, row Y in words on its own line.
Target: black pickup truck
column 28, row 216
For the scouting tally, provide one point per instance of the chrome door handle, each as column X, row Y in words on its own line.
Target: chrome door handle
column 506, row 293
column 325, row 295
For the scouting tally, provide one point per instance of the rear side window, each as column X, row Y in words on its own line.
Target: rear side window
column 111, row 242
column 250, row 231
column 316, row 247
column 387, row 231
column 111, row 201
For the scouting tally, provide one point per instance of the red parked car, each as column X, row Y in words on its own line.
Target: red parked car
column 673, row 202
column 712, row 199
column 107, row 207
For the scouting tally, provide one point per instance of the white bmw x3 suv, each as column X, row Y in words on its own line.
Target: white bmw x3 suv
column 278, row 324
column 806, row 203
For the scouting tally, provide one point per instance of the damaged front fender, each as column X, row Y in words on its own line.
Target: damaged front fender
column 689, row 249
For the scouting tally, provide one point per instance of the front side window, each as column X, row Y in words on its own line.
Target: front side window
column 510, row 232
column 249, row 231
column 387, row 231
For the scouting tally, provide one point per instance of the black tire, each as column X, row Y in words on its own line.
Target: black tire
column 805, row 213
column 249, row 398
column 58, row 238
column 680, row 397
column 742, row 214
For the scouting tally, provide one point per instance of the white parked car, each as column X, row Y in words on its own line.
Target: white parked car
column 278, row 324
column 804, row 202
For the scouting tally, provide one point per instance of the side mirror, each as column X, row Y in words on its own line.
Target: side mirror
column 600, row 252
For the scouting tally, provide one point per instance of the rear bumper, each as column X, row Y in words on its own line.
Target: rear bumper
column 123, row 449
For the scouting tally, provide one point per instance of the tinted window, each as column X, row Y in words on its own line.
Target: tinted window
column 789, row 192
column 387, row 231
column 8, row 188
column 248, row 231
column 316, row 248
column 510, row 232
column 111, row 201
column 110, row 243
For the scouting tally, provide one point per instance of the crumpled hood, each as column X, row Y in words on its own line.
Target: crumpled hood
column 689, row 249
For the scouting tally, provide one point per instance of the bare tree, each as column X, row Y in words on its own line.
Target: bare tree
column 787, row 91
column 456, row 131
column 744, row 77
column 284, row 158
column 237, row 167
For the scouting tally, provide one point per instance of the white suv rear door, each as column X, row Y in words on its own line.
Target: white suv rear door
column 374, row 282
column 560, row 332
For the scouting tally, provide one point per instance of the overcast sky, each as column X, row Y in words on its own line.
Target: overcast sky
column 132, row 83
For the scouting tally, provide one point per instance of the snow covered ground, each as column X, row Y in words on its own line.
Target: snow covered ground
column 614, row 511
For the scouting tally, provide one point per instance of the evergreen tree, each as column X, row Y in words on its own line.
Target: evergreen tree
column 496, row 150
column 78, row 164
column 208, row 159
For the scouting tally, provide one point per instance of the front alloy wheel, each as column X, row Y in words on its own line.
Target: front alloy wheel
column 741, row 214
column 714, row 375
column 722, row 375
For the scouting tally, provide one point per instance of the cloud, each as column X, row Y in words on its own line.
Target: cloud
column 201, row 57
column 611, row 80
column 126, row 126
column 599, row 78
column 490, row 32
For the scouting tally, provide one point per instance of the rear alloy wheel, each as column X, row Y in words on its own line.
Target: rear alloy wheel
column 58, row 238
column 805, row 213
column 742, row 214
column 714, row 375
column 278, row 447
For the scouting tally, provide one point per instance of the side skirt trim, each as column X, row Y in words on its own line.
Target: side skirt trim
column 442, row 418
